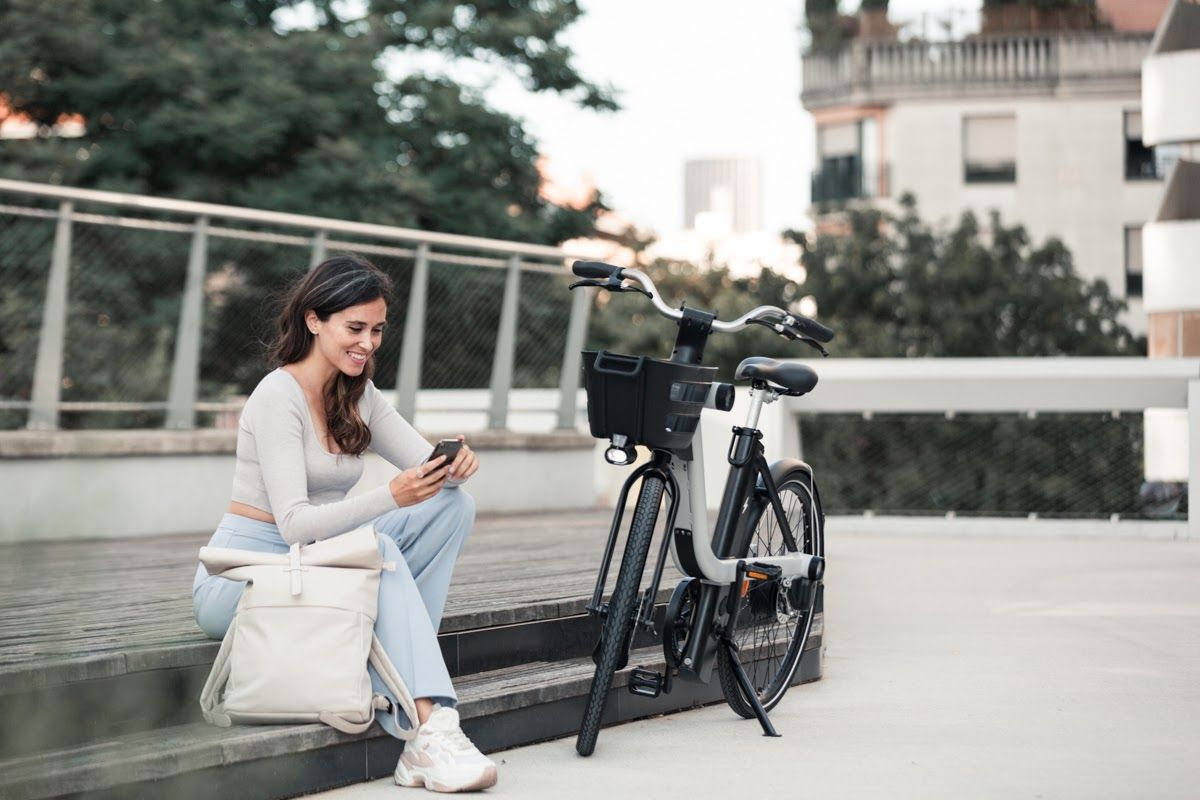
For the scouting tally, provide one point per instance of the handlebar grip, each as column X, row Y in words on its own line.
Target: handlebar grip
column 595, row 269
column 813, row 329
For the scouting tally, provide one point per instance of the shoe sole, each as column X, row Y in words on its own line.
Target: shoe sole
column 416, row 777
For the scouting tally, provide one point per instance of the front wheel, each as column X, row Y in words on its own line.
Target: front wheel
column 618, row 622
column 775, row 616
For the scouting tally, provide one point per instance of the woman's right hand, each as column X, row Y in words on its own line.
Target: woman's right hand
column 419, row 483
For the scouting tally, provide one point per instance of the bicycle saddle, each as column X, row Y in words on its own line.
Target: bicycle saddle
column 797, row 379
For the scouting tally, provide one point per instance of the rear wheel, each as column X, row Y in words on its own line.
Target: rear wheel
column 618, row 623
column 775, row 616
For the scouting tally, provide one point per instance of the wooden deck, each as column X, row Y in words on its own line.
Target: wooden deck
column 87, row 609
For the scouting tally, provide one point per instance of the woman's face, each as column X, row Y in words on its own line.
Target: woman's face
column 348, row 338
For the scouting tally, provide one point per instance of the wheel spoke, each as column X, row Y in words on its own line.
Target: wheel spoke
column 768, row 644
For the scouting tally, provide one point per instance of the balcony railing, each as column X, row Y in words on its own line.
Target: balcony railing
column 875, row 71
column 841, row 179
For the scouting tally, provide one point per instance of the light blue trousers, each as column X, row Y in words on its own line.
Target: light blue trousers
column 424, row 540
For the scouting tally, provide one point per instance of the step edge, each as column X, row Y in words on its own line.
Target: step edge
column 277, row 740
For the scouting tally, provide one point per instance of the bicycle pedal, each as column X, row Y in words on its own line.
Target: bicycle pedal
column 645, row 682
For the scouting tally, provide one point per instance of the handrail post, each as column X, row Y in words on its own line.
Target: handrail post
column 506, row 347
column 568, row 381
column 408, row 373
column 185, row 369
column 47, row 371
column 318, row 248
column 1193, row 484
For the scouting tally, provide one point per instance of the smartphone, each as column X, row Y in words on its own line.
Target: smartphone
column 448, row 448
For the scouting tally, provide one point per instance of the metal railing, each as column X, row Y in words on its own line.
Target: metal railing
column 878, row 71
column 1107, row 439
column 840, row 179
column 156, row 307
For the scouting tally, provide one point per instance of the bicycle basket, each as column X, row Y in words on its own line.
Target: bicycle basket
column 651, row 402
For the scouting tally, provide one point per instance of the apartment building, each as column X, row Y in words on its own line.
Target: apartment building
column 1044, row 126
column 1171, row 239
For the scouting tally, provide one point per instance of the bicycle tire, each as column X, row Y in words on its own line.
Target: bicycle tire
column 771, row 676
column 619, row 620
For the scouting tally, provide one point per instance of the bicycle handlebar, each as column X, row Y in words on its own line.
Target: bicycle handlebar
column 781, row 321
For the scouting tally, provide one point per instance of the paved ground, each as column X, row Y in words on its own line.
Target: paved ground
column 955, row 668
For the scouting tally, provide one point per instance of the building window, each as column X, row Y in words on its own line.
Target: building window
column 848, row 162
column 1145, row 163
column 990, row 149
column 1133, row 260
column 839, row 165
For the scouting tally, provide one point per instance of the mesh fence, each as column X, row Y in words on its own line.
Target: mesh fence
column 546, row 306
column 121, row 323
column 125, row 293
column 25, row 265
column 1050, row 465
column 461, row 319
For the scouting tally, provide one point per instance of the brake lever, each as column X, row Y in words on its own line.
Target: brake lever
column 813, row 343
column 632, row 289
column 610, row 285
column 791, row 333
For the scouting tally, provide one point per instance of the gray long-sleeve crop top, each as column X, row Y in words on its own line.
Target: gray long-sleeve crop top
column 284, row 470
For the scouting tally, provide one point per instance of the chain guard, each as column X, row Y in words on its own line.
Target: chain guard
column 677, row 624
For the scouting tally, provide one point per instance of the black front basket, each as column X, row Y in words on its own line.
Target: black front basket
column 649, row 401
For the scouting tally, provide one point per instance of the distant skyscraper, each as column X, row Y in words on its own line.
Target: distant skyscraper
column 727, row 191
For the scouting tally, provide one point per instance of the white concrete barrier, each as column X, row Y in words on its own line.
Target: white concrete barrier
column 105, row 484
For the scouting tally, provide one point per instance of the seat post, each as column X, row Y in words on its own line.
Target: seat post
column 760, row 394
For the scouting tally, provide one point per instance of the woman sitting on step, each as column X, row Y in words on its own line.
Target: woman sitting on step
column 300, row 444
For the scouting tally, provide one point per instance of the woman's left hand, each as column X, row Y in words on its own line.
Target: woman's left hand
column 465, row 463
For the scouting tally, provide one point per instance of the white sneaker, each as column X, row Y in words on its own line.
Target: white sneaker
column 442, row 758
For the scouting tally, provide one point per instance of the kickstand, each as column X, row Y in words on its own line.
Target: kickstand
column 748, row 689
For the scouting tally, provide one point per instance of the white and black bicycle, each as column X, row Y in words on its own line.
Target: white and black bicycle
column 752, row 589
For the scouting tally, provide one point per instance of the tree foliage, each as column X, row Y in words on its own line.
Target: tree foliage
column 894, row 286
column 308, row 107
column 291, row 106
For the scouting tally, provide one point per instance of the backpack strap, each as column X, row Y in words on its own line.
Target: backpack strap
column 214, row 686
column 395, row 684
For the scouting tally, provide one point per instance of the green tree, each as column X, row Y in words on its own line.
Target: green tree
column 826, row 26
column 894, row 286
column 245, row 102
column 274, row 104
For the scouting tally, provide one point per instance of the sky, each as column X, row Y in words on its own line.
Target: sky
column 696, row 79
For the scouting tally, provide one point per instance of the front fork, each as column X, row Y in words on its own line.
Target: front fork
column 658, row 466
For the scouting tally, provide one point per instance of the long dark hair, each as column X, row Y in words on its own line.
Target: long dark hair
column 334, row 284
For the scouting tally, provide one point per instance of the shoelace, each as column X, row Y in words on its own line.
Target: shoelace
column 449, row 733
column 454, row 739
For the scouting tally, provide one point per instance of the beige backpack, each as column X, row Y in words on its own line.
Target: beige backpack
column 298, row 647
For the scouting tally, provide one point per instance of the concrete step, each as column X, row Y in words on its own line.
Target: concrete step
column 156, row 688
column 501, row 708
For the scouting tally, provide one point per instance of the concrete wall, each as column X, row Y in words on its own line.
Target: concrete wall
column 1070, row 174
column 103, row 484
